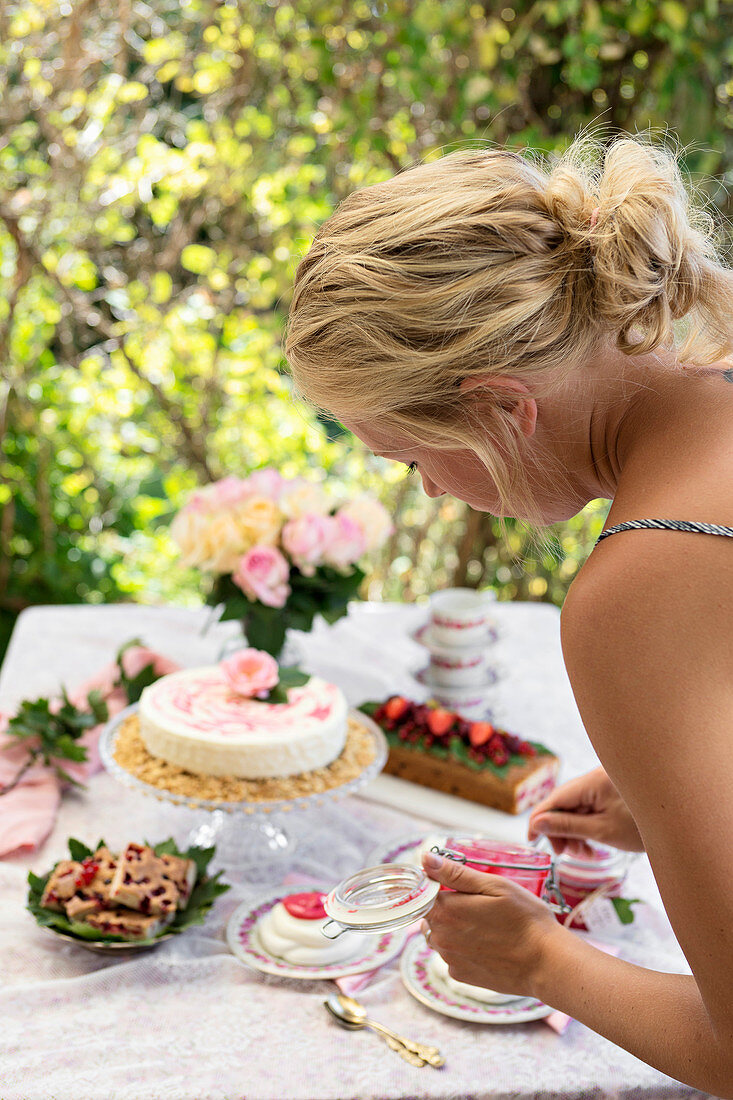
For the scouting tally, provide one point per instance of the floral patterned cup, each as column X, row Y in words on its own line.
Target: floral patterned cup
column 460, row 616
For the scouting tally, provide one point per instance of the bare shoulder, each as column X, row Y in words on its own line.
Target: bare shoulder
column 647, row 629
column 651, row 580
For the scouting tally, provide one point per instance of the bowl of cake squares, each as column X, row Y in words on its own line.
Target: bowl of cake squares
column 127, row 900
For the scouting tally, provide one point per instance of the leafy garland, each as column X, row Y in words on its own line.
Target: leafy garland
column 205, row 892
column 51, row 733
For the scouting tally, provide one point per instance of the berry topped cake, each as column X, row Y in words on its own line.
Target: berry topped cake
column 224, row 720
column 476, row 760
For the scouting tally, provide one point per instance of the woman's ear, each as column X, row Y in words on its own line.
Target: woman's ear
column 523, row 404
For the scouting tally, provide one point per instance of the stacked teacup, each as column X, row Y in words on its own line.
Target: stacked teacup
column 459, row 635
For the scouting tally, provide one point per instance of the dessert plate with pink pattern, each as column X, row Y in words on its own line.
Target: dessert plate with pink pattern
column 257, row 928
column 424, row 983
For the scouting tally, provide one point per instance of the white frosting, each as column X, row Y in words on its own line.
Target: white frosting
column 193, row 719
column 301, row 942
column 439, row 969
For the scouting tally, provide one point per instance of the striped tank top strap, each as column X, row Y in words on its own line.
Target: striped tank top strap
column 669, row 525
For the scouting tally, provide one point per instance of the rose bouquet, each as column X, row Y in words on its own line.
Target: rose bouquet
column 278, row 551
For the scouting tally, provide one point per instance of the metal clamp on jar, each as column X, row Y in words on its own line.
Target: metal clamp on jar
column 528, row 867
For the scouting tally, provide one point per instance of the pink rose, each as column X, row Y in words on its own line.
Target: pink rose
column 250, row 672
column 266, row 483
column 304, row 539
column 345, row 541
column 229, row 492
column 225, row 493
column 262, row 574
column 372, row 517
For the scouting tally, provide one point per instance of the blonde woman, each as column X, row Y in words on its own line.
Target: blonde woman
column 530, row 339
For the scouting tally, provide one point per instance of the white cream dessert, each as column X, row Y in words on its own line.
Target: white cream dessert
column 438, row 968
column 194, row 719
column 415, row 857
column 292, row 931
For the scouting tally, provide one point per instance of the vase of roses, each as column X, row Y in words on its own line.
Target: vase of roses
column 278, row 551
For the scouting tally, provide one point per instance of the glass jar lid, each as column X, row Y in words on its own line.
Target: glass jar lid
column 600, row 863
column 376, row 899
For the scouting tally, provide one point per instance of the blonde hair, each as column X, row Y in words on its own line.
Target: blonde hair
column 485, row 263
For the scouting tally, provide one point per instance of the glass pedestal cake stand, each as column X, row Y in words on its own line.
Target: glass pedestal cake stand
column 245, row 833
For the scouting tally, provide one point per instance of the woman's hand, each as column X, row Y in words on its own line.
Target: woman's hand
column 586, row 808
column 492, row 933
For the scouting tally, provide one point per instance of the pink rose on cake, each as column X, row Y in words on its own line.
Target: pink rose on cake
column 304, row 540
column 262, row 574
column 250, row 672
column 345, row 541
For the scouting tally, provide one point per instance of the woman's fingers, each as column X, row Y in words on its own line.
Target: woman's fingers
column 559, row 823
column 576, row 794
column 458, row 877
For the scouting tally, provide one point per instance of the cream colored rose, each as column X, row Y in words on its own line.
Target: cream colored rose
column 372, row 517
column 304, row 498
column 189, row 532
column 259, row 522
column 215, row 540
column 223, row 543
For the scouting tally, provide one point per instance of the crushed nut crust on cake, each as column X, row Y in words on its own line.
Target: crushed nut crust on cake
column 132, row 755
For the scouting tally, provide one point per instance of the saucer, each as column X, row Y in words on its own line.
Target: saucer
column 465, row 694
column 425, row 636
column 419, row 980
column 245, row 943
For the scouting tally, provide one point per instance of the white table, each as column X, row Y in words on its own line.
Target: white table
column 188, row 1020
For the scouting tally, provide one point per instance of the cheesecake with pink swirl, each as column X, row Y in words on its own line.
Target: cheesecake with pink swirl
column 242, row 718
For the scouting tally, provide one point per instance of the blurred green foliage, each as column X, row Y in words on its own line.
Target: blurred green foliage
column 164, row 165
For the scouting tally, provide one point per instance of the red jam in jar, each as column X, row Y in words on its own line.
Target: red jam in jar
column 578, row 875
column 526, row 866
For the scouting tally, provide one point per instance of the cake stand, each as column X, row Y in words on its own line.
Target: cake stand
column 245, row 832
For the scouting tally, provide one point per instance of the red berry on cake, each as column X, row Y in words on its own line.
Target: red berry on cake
column 395, row 707
column 440, row 721
column 479, row 733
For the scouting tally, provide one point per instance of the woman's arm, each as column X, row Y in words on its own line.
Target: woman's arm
column 648, row 644
column 493, row 933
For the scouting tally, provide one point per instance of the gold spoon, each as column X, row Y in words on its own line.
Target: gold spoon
column 350, row 1014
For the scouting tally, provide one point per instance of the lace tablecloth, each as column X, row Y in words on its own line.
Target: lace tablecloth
column 188, row 1020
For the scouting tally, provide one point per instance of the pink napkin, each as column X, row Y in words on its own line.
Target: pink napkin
column 27, row 813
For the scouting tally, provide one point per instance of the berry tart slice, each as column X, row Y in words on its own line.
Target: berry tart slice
column 143, row 882
column 438, row 748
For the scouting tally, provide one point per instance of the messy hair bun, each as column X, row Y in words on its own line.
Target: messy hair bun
column 654, row 261
column 487, row 262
